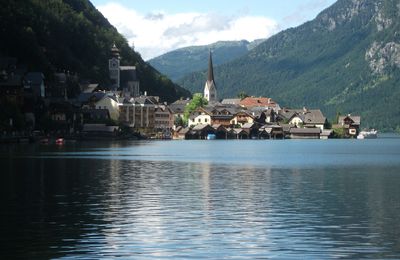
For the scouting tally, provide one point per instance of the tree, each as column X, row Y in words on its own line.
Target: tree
column 179, row 121
column 242, row 95
column 196, row 102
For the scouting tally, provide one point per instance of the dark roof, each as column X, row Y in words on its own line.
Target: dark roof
column 89, row 88
column 356, row 119
column 179, row 106
column 84, row 97
column 61, row 77
column 13, row 80
column 308, row 116
column 34, row 78
column 127, row 74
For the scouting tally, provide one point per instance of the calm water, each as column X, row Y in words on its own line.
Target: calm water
column 283, row 199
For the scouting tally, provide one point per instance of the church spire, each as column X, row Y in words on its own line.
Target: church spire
column 210, row 89
column 210, row 77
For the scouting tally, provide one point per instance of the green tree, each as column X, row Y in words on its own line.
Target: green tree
column 179, row 121
column 196, row 102
column 242, row 95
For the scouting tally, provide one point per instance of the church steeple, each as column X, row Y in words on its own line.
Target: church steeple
column 210, row 89
column 210, row 69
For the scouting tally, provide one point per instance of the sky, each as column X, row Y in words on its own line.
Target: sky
column 155, row 27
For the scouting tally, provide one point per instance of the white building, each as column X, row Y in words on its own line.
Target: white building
column 111, row 104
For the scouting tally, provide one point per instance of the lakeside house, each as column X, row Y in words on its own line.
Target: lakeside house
column 350, row 123
column 307, row 118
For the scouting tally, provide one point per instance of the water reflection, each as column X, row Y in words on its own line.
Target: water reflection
column 96, row 208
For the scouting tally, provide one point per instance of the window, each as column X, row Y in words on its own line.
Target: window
column 205, row 120
column 199, row 120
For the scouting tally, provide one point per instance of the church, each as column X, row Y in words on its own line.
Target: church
column 122, row 77
column 210, row 89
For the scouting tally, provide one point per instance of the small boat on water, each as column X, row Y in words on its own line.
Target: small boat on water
column 211, row 137
column 368, row 134
column 60, row 141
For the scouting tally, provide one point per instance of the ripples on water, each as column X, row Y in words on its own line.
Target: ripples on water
column 172, row 200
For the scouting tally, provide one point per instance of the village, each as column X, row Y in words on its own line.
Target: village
column 123, row 112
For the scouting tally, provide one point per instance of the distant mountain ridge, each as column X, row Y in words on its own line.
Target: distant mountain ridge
column 178, row 63
column 346, row 60
column 72, row 35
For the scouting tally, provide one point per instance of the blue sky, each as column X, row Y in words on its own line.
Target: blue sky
column 155, row 26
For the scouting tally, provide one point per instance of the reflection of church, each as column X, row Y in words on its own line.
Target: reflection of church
column 122, row 77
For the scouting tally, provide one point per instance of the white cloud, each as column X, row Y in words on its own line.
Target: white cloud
column 158, row 32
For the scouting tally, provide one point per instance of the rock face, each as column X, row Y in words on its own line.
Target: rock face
column 345, row 60
column 382, row 57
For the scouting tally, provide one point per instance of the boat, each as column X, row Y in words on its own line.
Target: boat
column 211, row 137
column 368, row 134
column 60, row 141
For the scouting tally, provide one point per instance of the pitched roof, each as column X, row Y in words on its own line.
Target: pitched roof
column 231, row 101
column 179, row 106
column 257, row 102
column 201, row 127
column 89, row 88
column 184, row 130
column 356, row 119
column 248, row 125
column 84, row 97
column 308, row 116
column 34, row 78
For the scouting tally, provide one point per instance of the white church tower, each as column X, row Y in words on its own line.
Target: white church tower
column 210, row 89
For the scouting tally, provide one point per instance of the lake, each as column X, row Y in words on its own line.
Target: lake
column 234, row 199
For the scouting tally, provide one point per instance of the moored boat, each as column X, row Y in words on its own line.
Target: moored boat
column 368, row 134
column 60, row 141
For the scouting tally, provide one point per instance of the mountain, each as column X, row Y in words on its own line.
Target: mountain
column 72, row 35
column 346, row 60
column 178, row 63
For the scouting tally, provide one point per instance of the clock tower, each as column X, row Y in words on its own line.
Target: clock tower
column 114, row 68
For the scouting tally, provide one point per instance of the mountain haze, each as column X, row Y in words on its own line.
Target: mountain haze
column 178, row 63
column 346, row 60
column 72, row 35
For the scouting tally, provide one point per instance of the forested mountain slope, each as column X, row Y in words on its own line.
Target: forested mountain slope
column 72, row 35
column 178, row 63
